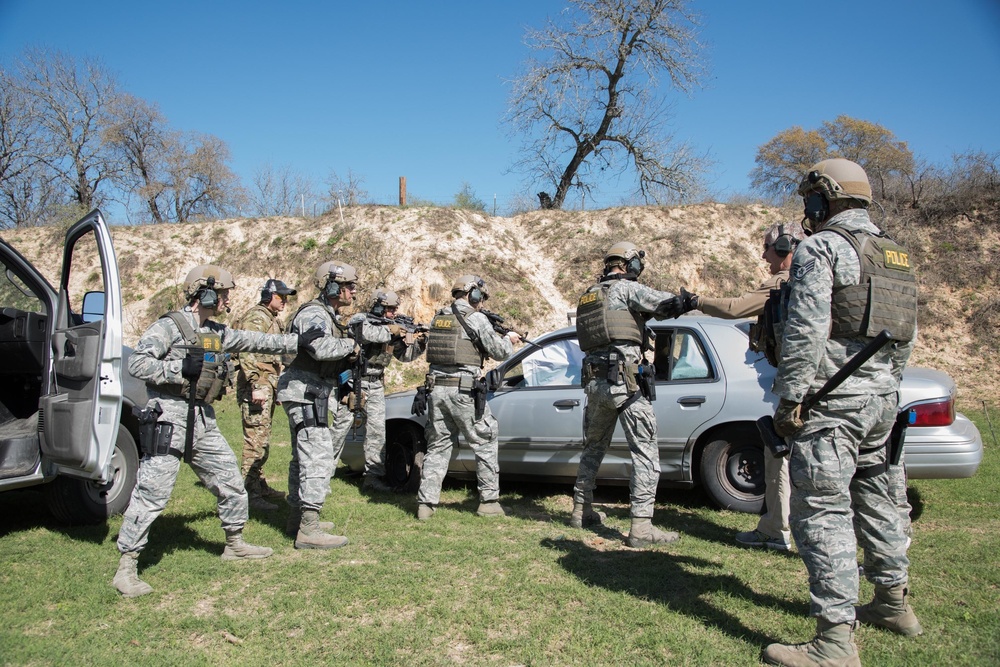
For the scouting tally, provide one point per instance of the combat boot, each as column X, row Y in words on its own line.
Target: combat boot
column 833, row 646
column 267, row 492
column 584, row 515
column 424, row 511
column 643, row 533
column 295, row 518
column 492, row 508
column 311, row 536
column 259, row 503
column 127, row 579
column 889, row 610
column 238, row 549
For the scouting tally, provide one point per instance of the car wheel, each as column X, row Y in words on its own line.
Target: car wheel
column 732, row 471
column 79, row 501
column 404, row 458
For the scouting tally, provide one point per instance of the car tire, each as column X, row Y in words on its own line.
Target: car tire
column 404, row 458
column 83, row 502
column 732, row 470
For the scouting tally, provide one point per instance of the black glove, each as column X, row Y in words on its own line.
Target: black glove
column 307, row 337
column 690, row 300
column 671, row 308
column 192, row 364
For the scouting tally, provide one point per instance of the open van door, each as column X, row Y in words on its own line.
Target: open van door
column 79, row 412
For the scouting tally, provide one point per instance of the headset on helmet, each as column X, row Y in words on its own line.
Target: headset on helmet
column 203, row 282
column 383, row 300
column 331, row 276
column 783, row 237
column 830, row 180
column 472, row 285
column 626, row 255
column 272, row 287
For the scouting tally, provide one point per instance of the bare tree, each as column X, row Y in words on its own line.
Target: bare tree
column 593, row 107
column 350, row 190
column 140, row 140
column 71, row 102
column 199, row 182
column 278, row 191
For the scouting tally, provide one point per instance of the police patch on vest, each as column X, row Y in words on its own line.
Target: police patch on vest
column 802, row 271
column 588, row 297
column 896, row 259
column 441, row 323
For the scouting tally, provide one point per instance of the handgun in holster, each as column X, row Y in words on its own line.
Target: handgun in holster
column 154, row 436
column 479, row 397
column 647, row 380
column 314, row 413
column 897, row 435
column 613, row 370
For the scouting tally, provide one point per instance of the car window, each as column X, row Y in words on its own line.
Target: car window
column 14, row 293
column 679, row 355
column 558, row 364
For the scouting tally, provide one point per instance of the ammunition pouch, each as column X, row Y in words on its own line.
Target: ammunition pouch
column 353, row 403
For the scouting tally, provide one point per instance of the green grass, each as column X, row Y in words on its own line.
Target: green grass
column 459, row 589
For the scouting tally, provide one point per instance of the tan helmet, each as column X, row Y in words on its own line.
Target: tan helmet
column 336, row 273
column 627, row 256
column 837, row 178
column 384, row 299
column 207, row 275
column 472, row 285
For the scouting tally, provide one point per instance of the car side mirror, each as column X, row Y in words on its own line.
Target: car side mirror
column 492, row 380
column 93, row 307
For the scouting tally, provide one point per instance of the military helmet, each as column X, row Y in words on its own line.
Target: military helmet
column 472, row 285
column 837, row 178
column 337, row 272
column 384, row 299
column 207, row 275
column 626, row 255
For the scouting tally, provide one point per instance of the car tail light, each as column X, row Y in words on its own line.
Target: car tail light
column 938, row 413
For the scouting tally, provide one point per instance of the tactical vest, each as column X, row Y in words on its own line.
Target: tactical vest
column 448, row 344
column 216, row 371
column 765, row 334
column 325, row 369
column 597, row 326
column 885, row 296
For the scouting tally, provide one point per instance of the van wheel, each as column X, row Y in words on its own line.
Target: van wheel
column 732, row 470
column 79, row 501
column 404, row 458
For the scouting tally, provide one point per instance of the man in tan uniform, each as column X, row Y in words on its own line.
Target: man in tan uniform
column 779, row 243
column 256, row 388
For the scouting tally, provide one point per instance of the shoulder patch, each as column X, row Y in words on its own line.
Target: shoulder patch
column 802, row 271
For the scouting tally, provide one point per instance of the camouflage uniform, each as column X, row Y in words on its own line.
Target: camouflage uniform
column 316, row 449
column 841, row 434
column 157, row 360
column 604, row 401
column 257, row 372
column 451, row 412
column 380, row 356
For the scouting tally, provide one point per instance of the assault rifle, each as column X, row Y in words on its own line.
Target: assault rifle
column 404, row 322
column 497, row 323
column 358, row 370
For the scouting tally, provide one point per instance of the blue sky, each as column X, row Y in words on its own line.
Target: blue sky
column 416, row 89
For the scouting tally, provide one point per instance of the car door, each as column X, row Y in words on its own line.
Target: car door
column 80, row 408
column 539, row 407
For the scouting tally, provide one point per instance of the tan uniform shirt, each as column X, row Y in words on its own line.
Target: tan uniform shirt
column 750, row 304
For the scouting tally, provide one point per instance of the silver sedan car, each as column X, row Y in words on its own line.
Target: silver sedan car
column 710, row 390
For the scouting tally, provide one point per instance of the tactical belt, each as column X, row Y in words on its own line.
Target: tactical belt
column 450, row 382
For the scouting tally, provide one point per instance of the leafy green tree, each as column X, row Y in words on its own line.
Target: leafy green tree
column 466, row 199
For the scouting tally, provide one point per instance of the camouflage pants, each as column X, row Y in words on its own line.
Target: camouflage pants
column 897, row 489
column 832, row 511
column 256, row 435
column 777, row 495
column 639, row 423
column 451, row 413
column 214, row 463
column 316, row 452
column 374, row 427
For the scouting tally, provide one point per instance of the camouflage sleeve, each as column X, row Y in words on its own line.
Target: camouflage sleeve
column 496, row 346
column 750, row 304
column 327, row 348
column 148, row 361
column 238, row 340
column 254, row 320
column 899, row 356
column 374, row 333
column 807, row 325
column 643, row 299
